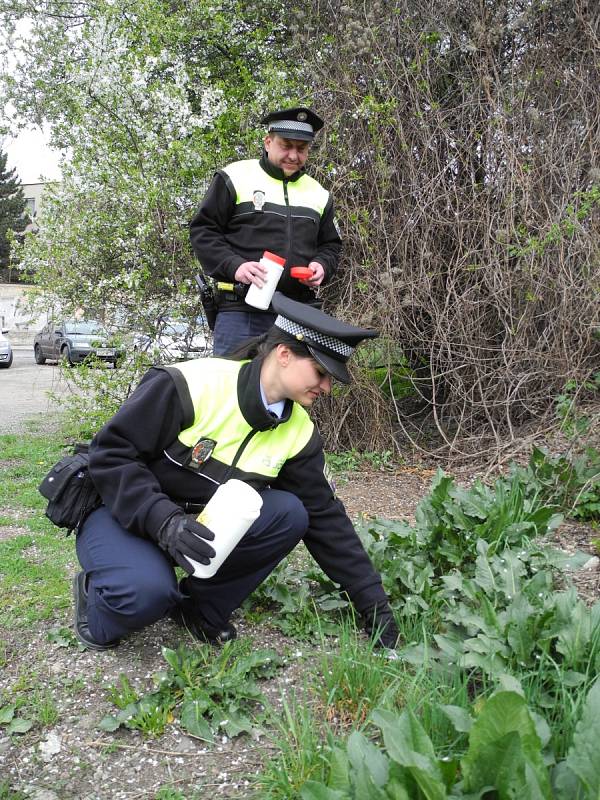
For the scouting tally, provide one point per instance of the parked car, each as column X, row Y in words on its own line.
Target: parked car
column 175, row 340
column 74, row 341
column 6, row 353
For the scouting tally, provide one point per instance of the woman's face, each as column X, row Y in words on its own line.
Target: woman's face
column 304, row 380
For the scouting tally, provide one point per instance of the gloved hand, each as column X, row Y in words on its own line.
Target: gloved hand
column 182, row 535
column 380, row 623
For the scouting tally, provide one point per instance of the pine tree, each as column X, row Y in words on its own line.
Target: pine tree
column 12, row 208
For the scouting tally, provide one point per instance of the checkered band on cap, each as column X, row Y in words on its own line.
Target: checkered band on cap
column 290, row 125
column 313, row 336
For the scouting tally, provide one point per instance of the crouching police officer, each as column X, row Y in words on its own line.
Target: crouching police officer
column 185, row 430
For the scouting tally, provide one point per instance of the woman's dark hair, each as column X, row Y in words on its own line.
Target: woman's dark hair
column 261, row 346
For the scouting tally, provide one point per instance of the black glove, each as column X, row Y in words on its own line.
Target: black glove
column 182, row 535
column 380, row 623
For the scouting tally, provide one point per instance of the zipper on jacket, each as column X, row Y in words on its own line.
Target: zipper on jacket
column 289, row 220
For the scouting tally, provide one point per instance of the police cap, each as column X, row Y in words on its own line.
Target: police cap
column 294, row 123
column 330, row 341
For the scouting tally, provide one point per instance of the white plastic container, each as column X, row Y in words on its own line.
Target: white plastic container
column 228, row 514
column 261, row 298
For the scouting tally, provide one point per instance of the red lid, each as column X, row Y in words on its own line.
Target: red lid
column 301, row 272
column 274, row 257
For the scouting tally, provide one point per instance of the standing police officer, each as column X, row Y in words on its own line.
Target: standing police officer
column 266, row 204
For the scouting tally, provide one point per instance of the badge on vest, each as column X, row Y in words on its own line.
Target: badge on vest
column 258, row 198
column 201, row 452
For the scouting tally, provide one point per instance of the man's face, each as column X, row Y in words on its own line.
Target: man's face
column 288, row 154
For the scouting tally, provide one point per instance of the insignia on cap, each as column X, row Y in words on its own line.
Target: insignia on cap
column 302, row 116
column 299, row 336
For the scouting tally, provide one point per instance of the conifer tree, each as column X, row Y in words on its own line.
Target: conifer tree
column 12, row 208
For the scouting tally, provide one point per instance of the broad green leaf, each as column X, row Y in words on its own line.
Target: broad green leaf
column 510, row 684
column 582, row 757
column 565, row 783
column 19, row 725
column 408, row 744
column 505, row 730
column 510, row 573
column 562, row 561
column 361, row 751
column 109, row 724
column 317, row 791
column 451, row 645
column 339, row 768
column 520, row 621
column 492, row 664
column 6, row 714
column 236, row 723
column 574, row 638
column 193, row 721
column 484, row 575
column 365, row 788
column 459, row 717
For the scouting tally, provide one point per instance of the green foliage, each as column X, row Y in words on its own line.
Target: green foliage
column 12, row 723
column 147, row 121
column 96, row 393
column 571, row 482
column 213, row 692
column 12, row 209
column 37, row 564
column 504, row 758
column 576, row 214
column 354, row 460
column 6, row 793
column 574, row 422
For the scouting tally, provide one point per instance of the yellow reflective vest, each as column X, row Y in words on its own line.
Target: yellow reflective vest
column 220, row 442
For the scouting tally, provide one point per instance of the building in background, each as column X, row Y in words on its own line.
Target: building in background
column 33, row 197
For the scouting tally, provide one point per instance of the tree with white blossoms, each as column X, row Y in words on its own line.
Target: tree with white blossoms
column 148, row 100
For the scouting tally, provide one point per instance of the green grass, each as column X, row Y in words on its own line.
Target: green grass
column 6, row 793
column 35, row 565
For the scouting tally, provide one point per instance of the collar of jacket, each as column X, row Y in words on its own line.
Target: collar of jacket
column 277, row 173
column 250, row 401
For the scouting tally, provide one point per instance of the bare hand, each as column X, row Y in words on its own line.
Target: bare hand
column 251, row 272
column 317, row 276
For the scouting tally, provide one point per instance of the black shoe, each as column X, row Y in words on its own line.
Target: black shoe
column 200, row 629
column 80, row 617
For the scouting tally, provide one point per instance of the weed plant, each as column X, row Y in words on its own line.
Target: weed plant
column 213, row 691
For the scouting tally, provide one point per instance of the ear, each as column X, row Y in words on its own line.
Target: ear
column 267, row 141
column 284, row 355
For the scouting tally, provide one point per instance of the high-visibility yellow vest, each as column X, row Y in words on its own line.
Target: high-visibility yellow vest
column 212, row 387
column 248, row 178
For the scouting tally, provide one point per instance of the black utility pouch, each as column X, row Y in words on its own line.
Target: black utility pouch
column 70, row 491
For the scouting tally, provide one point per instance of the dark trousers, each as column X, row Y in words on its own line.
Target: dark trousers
column 132, row 582
column 233, row 328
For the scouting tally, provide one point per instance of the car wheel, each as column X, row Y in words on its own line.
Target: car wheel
column 37, row 354
column 66, row 356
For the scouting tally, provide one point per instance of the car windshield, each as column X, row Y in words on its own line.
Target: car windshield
column 87, row 328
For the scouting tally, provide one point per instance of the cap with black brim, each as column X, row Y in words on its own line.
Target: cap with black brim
column 330, row 341
column 298, row 123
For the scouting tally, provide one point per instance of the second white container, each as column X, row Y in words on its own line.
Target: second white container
column 261, row 298
column 228, row 514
